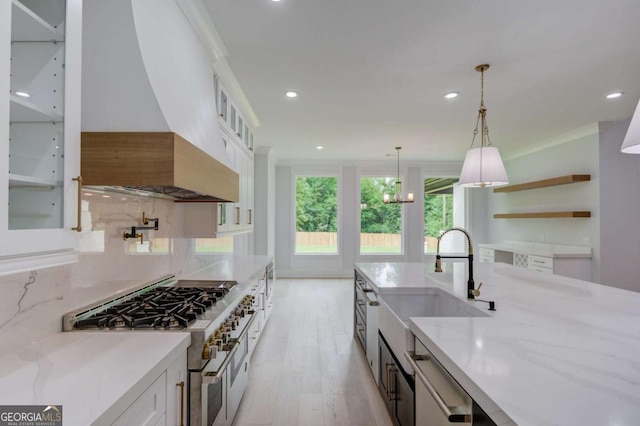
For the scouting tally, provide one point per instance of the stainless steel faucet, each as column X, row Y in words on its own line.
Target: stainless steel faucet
column 471, row 291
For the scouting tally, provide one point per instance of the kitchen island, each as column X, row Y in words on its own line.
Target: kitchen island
column 557, row 351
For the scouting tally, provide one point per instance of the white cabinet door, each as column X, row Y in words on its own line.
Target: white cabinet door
column 149, row 408
column 40, row 117
column 247, row 193
column 177, row 391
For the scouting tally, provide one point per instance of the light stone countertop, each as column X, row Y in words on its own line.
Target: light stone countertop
column 95, row 376
column 226, row 267
column 541, row 249
column 557, row 351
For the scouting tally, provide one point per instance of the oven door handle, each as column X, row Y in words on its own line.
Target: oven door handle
column 209, row 377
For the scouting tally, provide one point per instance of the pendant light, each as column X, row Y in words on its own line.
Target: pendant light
column 483, row 165
column 631, row 142
column 397, row 196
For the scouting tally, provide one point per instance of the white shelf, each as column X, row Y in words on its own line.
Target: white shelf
column 21, row 180
column 26, row 25
column 23, row 111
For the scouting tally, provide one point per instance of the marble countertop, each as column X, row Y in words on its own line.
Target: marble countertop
column 225, row 267
column 93, row 375
column 557, row 351
column 97, row 375
column 541, row 249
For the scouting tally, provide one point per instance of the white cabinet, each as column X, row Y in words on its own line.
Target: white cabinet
column 163, row 402
column 202, row 220
column 177, row 391
column 149, row 408
column 540, row 263
column 486, row 255
column 246, row 194
column 571, row 263
column 40, row 61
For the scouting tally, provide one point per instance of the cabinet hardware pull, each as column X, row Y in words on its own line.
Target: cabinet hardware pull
column 459, row 414
column 250, row 216
column 237, row 215
column 181, row 386
column 79, row 227
column 386, row 371
column 220, row 214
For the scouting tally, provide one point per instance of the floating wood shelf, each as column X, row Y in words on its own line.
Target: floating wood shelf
column 542, row 215
column 562, row 180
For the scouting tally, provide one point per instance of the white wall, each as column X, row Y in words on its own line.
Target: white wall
column 264, row 202
column 578, row 156
column 341, row 264
column 620, row 204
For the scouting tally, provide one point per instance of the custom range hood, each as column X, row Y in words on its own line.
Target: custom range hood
column 160, row 163
column 149, row 118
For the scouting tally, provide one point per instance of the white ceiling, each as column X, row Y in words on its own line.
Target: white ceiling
column 371, row 73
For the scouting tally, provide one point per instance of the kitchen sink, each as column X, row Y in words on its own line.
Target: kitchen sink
column 396, row 309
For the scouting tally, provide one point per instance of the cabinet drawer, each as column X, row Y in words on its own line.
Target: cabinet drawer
column 149, row 408
column 541, row 261
column 541, row 269
column 487, row 252
column 486, row 259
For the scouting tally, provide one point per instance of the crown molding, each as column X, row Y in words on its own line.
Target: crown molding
column 589, row 130
column 199, row 18
column 263, row 149
column 201, row 22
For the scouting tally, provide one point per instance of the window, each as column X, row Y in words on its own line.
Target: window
column 439, row 203
column 380, row 223
column 316, row 215
column 214, row 245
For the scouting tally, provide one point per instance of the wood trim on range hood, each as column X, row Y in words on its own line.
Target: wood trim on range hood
column 162, row 163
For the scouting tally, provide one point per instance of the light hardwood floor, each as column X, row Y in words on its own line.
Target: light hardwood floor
column 307, row 368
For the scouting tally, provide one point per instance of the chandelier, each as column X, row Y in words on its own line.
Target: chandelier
column 483, row 165
column 397, row 196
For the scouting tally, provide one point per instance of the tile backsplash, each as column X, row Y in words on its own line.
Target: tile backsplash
column 33, row 302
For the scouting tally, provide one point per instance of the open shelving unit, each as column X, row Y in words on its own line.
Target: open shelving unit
column 561, row 180
column 36, row 116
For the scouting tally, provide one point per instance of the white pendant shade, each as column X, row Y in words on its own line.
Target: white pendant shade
column 483, row 167
column 631, row 143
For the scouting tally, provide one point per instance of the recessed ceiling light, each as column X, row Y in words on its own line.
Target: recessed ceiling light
column 291, row 94
column 451, row 95
column 23, row 94
column 319, row 147
column 276, row 1
column 614, row 95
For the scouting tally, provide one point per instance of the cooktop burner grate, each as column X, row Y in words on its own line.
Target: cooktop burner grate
column 159, row 308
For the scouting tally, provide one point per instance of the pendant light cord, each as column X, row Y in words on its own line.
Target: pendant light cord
column 398, row 168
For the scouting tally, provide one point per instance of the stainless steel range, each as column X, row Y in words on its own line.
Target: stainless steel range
column 217, row 315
